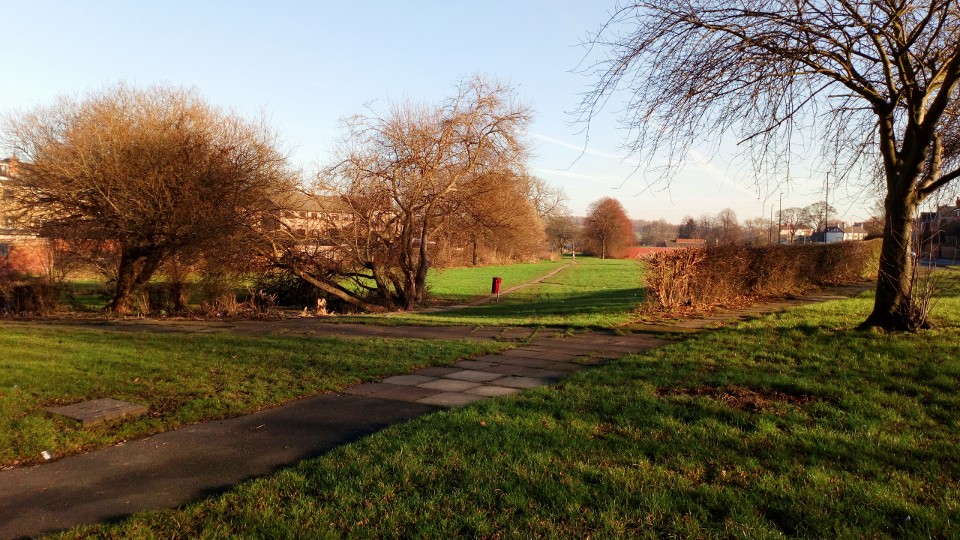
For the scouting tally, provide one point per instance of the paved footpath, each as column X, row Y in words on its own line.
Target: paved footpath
column 189, row 463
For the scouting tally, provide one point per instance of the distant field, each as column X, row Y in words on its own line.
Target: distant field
column 182, row 378
column 591, row 293
column 452, row 285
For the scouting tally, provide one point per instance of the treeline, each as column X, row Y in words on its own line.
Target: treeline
column 144, row 183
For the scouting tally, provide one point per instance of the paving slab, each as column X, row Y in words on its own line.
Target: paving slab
column 449, row 385
column 436, row 371
column 508, row 369
column 524, row 382
column 451, row 399
column 473, row 375
column 521, row 352
column 492, row 391
column 99, row 411
column 553, row 353
column 409, row 380
column 525, row 362
column 474, row 364
column 516, row 334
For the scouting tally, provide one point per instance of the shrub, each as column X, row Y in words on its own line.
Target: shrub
column 30, row 296
column 705, row 277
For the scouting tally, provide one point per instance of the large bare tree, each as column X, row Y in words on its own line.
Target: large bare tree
column 146, row 173
column 873, row 83
column 406, row 177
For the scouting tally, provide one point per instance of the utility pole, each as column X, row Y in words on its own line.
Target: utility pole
column 771, row 224
column 779, row 220
column 826, row 209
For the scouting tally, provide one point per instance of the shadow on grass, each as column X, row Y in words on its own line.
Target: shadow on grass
column 607, row 302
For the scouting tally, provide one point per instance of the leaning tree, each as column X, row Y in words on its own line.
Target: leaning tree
column 403, row 180
column 871, row 83
column 149, row 173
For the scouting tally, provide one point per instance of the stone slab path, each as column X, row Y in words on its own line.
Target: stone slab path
column 178, row 466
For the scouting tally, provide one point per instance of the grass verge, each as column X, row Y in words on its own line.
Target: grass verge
column 792, row 424
column 182, row 378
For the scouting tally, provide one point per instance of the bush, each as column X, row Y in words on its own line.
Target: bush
column 30, row 296
column 705, row 277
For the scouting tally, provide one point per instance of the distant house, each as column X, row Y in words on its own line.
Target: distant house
column 20, row 248
column 305, row 215
column 789, row 235
column 939, row 231
column 839, row 231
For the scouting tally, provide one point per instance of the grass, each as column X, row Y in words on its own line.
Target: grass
column 591, row 293
column 792, row 424
column 453, row 285
column 182, row 378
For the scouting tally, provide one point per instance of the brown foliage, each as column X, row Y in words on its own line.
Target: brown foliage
column 607, row 231
column 700, row 278
column 153, row 173
column 411, row 182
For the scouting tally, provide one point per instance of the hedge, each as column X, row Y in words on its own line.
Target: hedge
column 705, row 277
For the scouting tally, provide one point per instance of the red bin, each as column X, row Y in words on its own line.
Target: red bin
column 495, row 286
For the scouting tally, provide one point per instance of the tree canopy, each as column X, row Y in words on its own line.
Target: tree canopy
column 607, row 231
column 145, row 174
column 871, row 83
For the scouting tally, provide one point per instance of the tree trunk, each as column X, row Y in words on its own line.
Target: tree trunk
column 420, row 280
column 127, row 273
column 894, row 308
column 137, row 266
column 326, row 287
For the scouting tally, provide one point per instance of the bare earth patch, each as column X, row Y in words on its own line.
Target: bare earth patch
column 742, row 398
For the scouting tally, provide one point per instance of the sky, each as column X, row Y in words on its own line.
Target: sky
column 307, row 65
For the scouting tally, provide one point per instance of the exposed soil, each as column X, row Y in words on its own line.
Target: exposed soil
column 744, row 399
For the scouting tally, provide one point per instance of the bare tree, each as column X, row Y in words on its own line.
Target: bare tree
column 607, row 230
column 498, row 214
column 757, row 231
column 560, row 231
column 145, row 174
column 873, row 82
column 793, row 219
column 817, row 215
column 652, row 233
column 403, row 180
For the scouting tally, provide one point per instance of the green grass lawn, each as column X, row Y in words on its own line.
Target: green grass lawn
column 792, row 424
column 182, row 378
column 591, row 293
column 453, row 285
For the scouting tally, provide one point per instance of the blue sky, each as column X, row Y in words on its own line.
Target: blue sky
column 306, row 65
